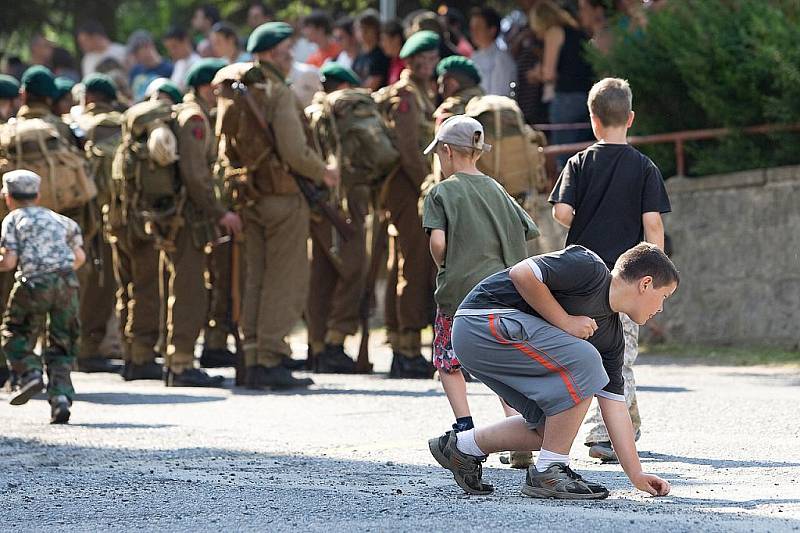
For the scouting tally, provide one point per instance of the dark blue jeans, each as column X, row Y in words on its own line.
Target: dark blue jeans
column 566, row 108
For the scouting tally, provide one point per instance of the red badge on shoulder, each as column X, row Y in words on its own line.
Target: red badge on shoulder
column 198, row 131
column 403, row 106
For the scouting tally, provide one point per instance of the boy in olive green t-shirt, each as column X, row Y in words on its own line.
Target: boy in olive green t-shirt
column 476, row 229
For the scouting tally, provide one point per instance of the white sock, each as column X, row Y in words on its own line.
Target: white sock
column 547, row 458
column 466, row 443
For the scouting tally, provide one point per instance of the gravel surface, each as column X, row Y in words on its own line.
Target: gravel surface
column 350, row 454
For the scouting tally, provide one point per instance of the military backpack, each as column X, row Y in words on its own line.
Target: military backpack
column 147, row 195
column 517, row 158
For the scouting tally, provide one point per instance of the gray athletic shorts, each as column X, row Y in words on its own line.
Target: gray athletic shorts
column 538, row 369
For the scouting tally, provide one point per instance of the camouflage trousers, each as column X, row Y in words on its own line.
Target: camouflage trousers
column 46, row 303
column 597, row 429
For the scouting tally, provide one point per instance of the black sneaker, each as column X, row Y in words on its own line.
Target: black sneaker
column 192, row 377
column 217, row 358
column 334, row 360
column 467, row 469
column 262, row 378
column 560, row 482
column 404, row 367
column 30, row 384
column 59, row 409
column 95, row 365
column 152, row 370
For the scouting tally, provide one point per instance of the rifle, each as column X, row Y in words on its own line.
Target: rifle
column 380, row 230
column 234, row 305
column 313, row 195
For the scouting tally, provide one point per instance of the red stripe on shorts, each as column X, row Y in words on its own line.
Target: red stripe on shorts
column 538, row 358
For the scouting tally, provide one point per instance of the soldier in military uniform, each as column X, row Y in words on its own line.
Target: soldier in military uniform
column 215, row 335
column 458, row 82
column 99, row 122
column 276, row 215
column 45, row 249
column 9, row 98
column 410, row 289
column 182, row 264
column 338, row 267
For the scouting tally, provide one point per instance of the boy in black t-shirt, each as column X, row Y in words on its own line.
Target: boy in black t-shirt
column 611, row 197
column 546, row 336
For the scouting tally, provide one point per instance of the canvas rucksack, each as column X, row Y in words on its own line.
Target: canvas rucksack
column 146, row 194
column 517, row 158
column 360, row 139
column 103, row 137
column 35, row 144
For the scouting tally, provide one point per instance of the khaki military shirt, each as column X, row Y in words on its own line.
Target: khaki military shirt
column 412, row 118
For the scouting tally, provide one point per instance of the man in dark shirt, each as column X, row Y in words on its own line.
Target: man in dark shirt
column 371, row 65
column 611, row 197
column 546, row 336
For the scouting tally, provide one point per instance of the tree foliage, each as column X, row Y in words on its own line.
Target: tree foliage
column 715, row 63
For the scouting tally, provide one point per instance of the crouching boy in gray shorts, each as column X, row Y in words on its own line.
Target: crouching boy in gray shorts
column 545, row 335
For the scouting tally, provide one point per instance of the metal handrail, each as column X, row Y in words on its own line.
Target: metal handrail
column 677, row 137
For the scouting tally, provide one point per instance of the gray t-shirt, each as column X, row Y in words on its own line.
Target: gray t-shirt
column 580, row 282
column 486, row 231
column 42, row 239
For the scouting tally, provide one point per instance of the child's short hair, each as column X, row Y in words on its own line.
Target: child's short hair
column 647, row 259
column 611, row 101
column 23, row 197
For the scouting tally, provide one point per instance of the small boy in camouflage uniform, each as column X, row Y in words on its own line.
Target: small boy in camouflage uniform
column 45, row 248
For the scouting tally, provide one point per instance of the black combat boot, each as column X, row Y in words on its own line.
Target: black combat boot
column 192, row 377
column 30, row 384
column 293, row 364
column 59, row 409
column 132, row 372
column 260, row 377
column 217, row 358
column 404, row 367
column 93, row 365
column 334, row 360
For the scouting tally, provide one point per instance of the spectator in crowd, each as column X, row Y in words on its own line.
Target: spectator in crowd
column 392, row 41
column 9, row 97
column 428, row 20
column 454, row 22
column 318, row 28
column 180, row 51
column 372, row 64
column 14, row 66
column 148, row 63
column 225, row 43
column 258, row 14
column 496, row 67
column 564, row 72
column 345, row 36
column 203, row 20
column 96, row 46
column 117, row 72
column 526, row 49
column 63, row 64
column 593, row 18
column 41, row 51
column 305, row 82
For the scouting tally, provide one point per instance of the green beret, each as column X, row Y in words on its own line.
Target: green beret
column 202, row 71
column 40, row 81
column 9, row 86
column 422, row 41
column 171, row 90
column 101, row 84
column 461, row 64
column 335, row 71
column 63, row 86
column 268, row 36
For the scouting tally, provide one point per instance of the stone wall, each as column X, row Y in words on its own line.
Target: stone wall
column 736, row 241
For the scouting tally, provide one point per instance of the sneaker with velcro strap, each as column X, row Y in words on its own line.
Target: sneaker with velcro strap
column 560, row 482
column 467, row 469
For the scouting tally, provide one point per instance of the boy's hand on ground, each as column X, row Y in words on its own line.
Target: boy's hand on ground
column 582, row 327
column 651, row 484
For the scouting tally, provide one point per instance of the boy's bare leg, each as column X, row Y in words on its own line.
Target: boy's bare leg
column 456, row 390
column 513, row 433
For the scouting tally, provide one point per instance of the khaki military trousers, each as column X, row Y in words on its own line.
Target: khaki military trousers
column 276, row 258
column 338, row 273
column 138, row 304
column 6, row 283
column 97, row 295
column 409, row 291
column 183, row 291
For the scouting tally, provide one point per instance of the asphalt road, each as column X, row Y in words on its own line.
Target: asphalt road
column 350, row 454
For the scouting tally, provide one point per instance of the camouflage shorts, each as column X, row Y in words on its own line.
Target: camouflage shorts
column 46, row 303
